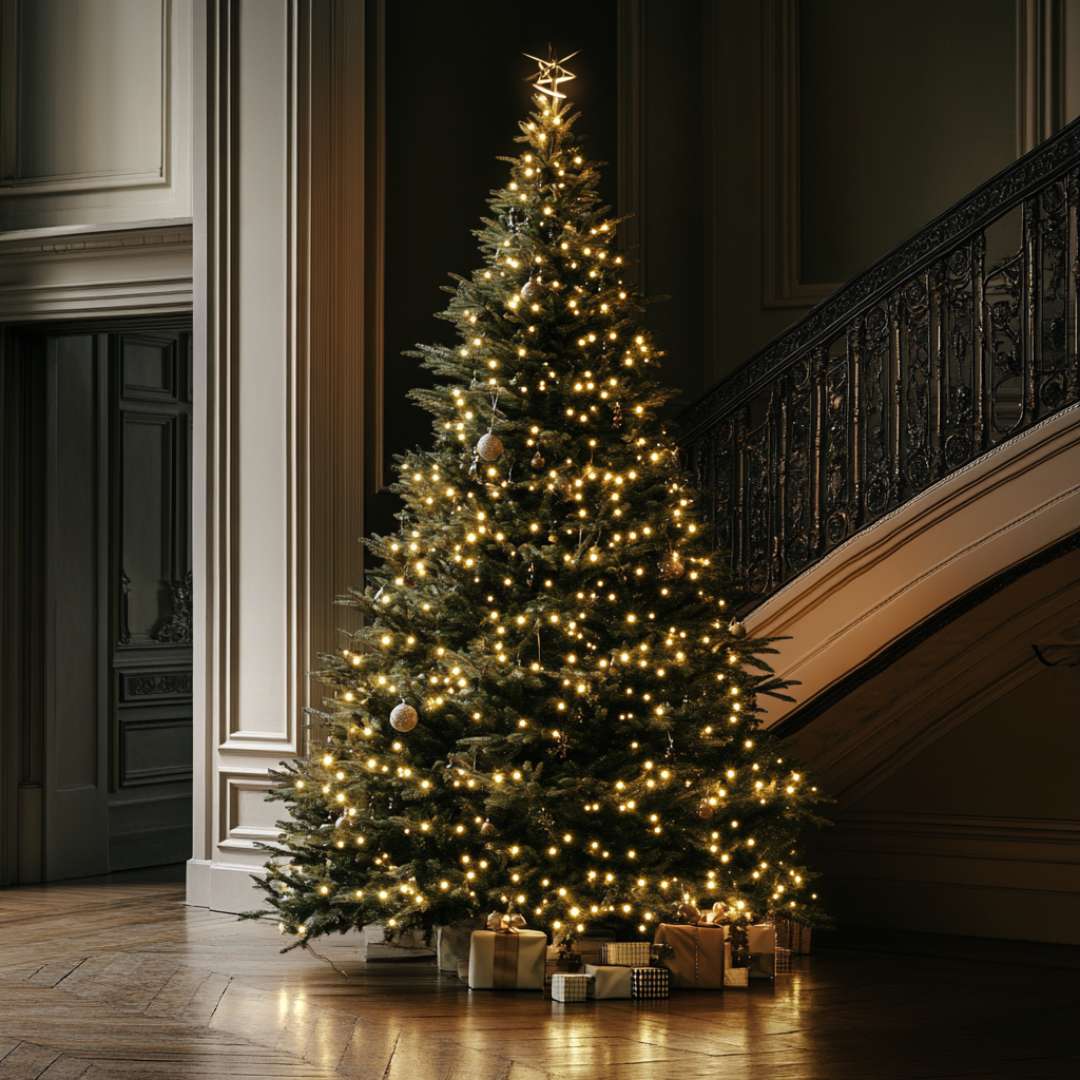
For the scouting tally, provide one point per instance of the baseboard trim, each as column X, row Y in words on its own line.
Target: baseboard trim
column 223, row 887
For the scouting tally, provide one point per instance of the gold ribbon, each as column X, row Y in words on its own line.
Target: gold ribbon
column 505, row 965
column 714, row 916
column 508, row 924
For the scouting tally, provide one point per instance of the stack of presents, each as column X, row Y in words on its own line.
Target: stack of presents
column 705, row 953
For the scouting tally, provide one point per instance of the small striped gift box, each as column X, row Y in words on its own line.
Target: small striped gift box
column 649, row 982
column 627, row 953
column 571, row 987
column 783, row 960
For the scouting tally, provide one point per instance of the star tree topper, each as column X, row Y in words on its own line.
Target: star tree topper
column 551, row 73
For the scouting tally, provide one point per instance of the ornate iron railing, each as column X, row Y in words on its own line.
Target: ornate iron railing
column 958, row 340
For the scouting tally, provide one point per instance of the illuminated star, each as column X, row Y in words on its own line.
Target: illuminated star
column 551, row 73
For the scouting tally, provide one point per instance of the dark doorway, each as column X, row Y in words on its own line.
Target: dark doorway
column 96, row 578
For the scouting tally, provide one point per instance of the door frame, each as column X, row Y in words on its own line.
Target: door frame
column 27, row 600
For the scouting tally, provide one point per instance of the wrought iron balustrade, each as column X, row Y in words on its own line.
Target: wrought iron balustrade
column 942, row 350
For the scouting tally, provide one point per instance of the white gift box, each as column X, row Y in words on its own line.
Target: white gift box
column 609, row 980
column 734, row 977
column 761, row 943
column 571, row 986
column 507, row 959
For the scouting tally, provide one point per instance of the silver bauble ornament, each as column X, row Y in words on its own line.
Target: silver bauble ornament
column 736, row 629
column 537, row 460
column 487, row 828
column 489, row 448
column 403, row 717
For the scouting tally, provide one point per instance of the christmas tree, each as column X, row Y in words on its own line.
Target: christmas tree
column 549, row 709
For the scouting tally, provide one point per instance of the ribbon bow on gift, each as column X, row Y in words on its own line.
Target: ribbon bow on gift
column 505, row 924
column 714, row 916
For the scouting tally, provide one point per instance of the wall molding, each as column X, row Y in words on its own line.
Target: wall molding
column 1040, row 71
column 1040, row 109
column 87, row 272
column 373, row 153
column 12, row 182
column 306, row 79
column 631, row 96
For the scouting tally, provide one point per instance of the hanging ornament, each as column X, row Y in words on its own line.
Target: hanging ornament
column 490, row 447
column 487, row 828
column 515, row 219
column 616, row 415
column 672, row 566
column 403, row 717
column 704, row 810
column 528, row 290
column 537, row 460
column 736, row 629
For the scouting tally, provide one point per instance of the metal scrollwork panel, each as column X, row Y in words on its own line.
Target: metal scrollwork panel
column 1053, row 367
column 876, row 429
column 836, row 422
column 915, row 383
column 759, row 477
column 798, row 465
column 957, row 359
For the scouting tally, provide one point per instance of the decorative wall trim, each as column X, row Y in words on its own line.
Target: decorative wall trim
column 141, row 269
column 12, row 182
column 781, row 217
column 1040, row 109
column 1040, row 71
column 129, row 777
column 235, row 834
column 1013, row 830
column 630, row 167
column 373, row 303
column 311, row 187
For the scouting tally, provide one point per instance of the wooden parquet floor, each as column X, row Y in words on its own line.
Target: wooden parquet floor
column 123, row 981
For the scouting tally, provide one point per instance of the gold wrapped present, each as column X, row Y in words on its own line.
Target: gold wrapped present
column 506, row 956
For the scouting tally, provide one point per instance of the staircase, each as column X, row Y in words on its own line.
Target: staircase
column 897, row 482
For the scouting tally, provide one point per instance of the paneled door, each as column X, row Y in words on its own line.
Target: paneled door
column 116, row 493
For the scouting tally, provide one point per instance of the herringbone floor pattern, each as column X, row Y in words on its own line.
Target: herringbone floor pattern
column 123, row 981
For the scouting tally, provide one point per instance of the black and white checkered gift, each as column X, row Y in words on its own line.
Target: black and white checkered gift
column 566, row 986
column 649, row 982
column 627, row 953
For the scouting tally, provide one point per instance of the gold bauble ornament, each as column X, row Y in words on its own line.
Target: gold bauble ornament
column 490, row 447
column 736, row 629
column 403, row 717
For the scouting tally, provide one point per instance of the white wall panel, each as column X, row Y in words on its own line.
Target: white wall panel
column 274, row 299
column 263, row 357
column 95, row 111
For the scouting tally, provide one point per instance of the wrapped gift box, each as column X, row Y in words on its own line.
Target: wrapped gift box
column 560, row 958
column 507, row 959
column 627, row 953
column 568, row 986
column 794, row 936
column 694, row 955
column 649, row 982
column 591, row 949
column 734, row 977
column 452, row 944
column 609, row 980
column 761, row 941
